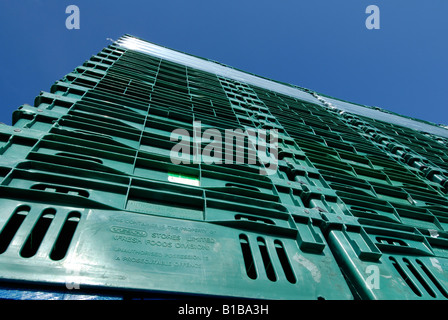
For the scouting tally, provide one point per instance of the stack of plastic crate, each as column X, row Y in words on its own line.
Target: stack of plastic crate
column 92, row 199
column 387, row 224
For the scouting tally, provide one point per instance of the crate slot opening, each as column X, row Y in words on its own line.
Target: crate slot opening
column 65, row 236
column 12, row 226
column 269, row 268
column 284, row 261
column 248, row 258
column 38, row 233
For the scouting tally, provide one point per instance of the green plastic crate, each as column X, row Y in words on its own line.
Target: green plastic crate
column 391, row 263
column 92, row 248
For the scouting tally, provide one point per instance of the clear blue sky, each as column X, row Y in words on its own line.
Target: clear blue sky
column 318, row 44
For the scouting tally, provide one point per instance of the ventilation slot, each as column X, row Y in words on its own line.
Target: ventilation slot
column 65, row 236
column 248, row 258
column 405, row 276
column 59, row 189
column 242, row 186
column 94, row 134
column 255, row 219
column 418, row 276
column 79, row 157
column 432, row 278
column 270, row 273
column 391, row 241
column 282, row 256
column 36, row 236
column 12, row 226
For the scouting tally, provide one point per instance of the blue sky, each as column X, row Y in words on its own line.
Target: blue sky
column 318, row 44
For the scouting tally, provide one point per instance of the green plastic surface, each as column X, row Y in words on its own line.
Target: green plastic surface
column 90, row 194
